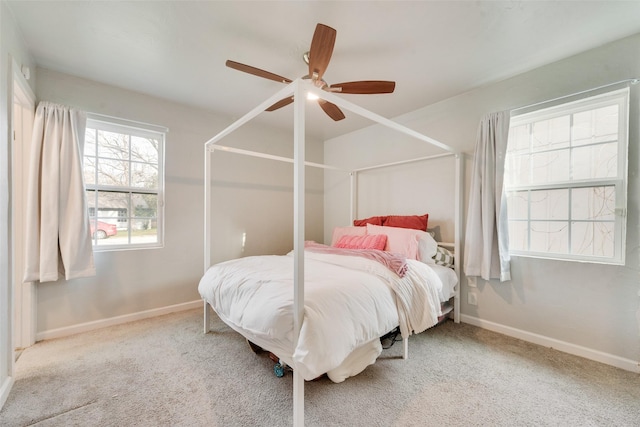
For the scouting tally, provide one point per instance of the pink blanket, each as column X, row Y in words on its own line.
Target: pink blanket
column 394, row 262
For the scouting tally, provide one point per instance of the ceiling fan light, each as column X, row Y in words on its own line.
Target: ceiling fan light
column 312, row 96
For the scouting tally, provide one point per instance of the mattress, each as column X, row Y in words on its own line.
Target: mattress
column 449, row 280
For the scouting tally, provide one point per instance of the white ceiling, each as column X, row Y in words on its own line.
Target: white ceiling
column 432, row 49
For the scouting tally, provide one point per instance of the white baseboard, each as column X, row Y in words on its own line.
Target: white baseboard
column 5, row 389
column 576, row 350
column 118, row 320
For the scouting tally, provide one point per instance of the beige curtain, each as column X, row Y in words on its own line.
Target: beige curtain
column 486, row 250
column 58, row 236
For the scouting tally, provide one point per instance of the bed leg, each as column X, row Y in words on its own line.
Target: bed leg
column 405, row 343
column 207, row 317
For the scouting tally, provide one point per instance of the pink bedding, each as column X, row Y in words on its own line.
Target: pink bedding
column 394, row 262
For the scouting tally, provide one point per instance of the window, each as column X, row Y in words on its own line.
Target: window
column 565, row 180
column 123, row 175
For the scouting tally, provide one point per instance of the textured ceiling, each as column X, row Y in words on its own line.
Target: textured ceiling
column 432, row 49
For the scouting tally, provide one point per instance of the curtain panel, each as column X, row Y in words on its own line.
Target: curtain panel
column 486, row 250
column 58, row 234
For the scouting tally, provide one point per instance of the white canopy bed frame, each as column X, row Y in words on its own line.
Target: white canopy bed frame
column 300, row 89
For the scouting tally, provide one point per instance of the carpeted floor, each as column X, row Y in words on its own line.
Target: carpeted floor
column 166, row 372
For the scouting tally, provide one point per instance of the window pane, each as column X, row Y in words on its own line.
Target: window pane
column 113, row 145
column 90, row 142
column 549, row 134
column 89, row 170
column 105, row 232
column 593, row 238
column 518, row 235
column 113, row 172
column 144, row 175
column 549, row 237
column 595, row 203
column 548, row 167
column 91, row 202
column 113, row 206
column 145, row 205
column 517, row 167
column 519, row 139
column 144, row 150
column 518, row 204
column 144, row 231
column 593, row 126
column 582, row 128
column 550, row 204
column 595, row 161
column 104, row 220
column 606, row 124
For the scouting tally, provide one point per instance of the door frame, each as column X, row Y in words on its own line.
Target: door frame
column 24, row 308
column 16, row 84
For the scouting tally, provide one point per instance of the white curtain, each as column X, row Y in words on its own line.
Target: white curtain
column 486, row 250
column 58, row 236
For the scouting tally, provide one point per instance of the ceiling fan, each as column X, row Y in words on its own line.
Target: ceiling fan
column 318, row 58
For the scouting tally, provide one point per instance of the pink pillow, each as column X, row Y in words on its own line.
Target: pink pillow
column 377, row 220
column 338, row 232
column 403, row 241
column 417, row 222
column 367, row 241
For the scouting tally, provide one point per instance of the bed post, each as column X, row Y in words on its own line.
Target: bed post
column 207, row 225
column 207, row 317
column 405, row 344
column 458, row 232
column 298, row 242
column 207, row 208
column 353, row 201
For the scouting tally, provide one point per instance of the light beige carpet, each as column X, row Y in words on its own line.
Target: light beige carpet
column 166, row 372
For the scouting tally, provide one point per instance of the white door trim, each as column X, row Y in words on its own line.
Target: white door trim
column 21, row 122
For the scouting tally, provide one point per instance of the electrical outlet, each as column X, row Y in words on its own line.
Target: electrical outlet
column 472, row 298
column 472, row 281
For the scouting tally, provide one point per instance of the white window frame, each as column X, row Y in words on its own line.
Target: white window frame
column 621, row 97
column 112, row 124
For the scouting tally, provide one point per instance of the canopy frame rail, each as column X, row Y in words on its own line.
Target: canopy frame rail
column 299, row 88
column 258, row 154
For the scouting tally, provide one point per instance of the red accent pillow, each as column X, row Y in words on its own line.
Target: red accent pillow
column 368, row 241
column 375, row 220
column 416, row 222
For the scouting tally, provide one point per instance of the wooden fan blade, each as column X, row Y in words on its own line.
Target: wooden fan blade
column 332, row 110
column 280, row 104
column 257, row 72
column 324, row 38
column 364, row 87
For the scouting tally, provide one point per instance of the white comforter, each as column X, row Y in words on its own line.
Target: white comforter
column 349, row 303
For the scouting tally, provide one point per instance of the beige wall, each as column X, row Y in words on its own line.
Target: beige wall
column 587, row 309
